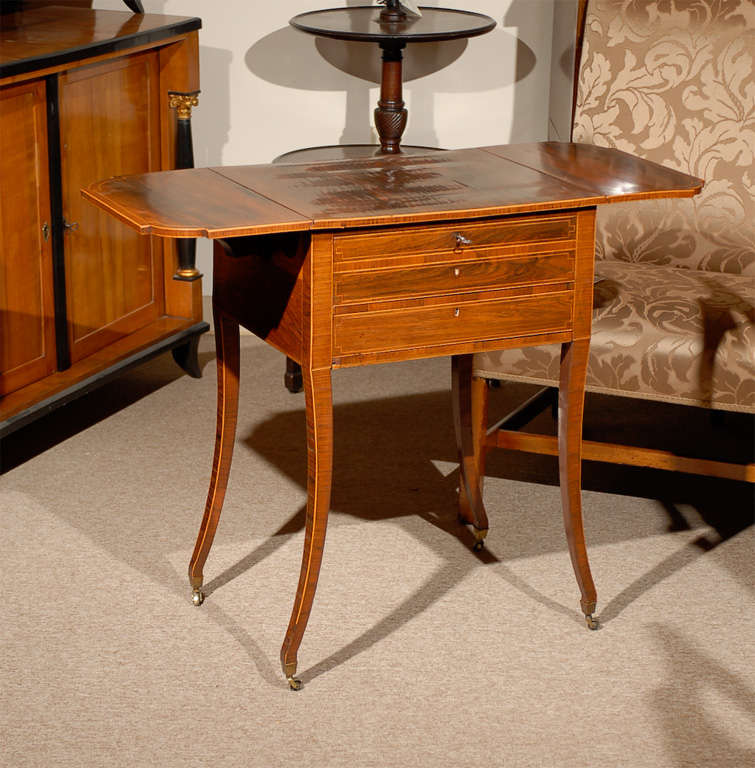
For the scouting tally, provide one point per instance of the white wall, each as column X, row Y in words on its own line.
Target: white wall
column 268, row 89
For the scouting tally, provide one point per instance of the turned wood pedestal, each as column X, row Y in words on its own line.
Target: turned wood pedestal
column 392, row 31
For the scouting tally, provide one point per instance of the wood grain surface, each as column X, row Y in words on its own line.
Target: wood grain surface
column 227, row 346
column 53, row 37
column 109, row 123
column 196, row 202
column 461, row 184
column 617, row 176
column 441, row 242
column 27, row 333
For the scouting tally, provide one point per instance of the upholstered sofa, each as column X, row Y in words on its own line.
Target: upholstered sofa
column 674, row 320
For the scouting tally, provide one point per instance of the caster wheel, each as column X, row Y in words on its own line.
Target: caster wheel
column 294, row 684
column 592, row 622
column 197, row 597
column 479, row 535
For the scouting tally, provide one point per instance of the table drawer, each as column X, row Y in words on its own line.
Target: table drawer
column 452, row 277
column 451, row 321
column 452, row 239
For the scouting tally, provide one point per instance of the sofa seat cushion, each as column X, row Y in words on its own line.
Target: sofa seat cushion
column 659, row 333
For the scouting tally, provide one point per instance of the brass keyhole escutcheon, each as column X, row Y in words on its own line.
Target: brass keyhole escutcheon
column 456, row 312
column 457, row 271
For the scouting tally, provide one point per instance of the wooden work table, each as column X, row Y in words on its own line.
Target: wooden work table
column 401, row 257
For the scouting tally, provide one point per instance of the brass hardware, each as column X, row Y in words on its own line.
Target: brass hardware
column 456, row 312
column 182, row 103
column 289, row 671
column 479, row 534
column 457, row 271
column 197, row 596
column 461, row 240
column 190, row 273
column 592, row 621
column 46, row 231
column 71, row 225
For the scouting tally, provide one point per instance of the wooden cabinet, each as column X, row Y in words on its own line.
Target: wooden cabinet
column 27, row 338
column 117, row 104
column 86, row 95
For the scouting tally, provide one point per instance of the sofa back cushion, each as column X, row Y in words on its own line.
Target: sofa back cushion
column 672, row 81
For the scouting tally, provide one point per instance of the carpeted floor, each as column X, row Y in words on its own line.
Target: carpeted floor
column 419, row 652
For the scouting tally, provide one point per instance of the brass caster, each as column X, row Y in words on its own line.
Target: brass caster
column 197, row 596
column 479, row 534
column 294, row 683
column 592, row 622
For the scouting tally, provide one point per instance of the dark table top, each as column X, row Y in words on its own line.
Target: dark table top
column 363, row 23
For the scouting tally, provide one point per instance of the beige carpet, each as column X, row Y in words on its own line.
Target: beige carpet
column 418, row 652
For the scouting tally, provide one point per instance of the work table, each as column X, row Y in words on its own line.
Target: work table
column 356, row 262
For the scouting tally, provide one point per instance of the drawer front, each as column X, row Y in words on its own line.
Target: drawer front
column 452, row 240
column 446, row 323
column 452, row 277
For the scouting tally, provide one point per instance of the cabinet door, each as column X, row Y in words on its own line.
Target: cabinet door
column 27, row 330
column 109, row 125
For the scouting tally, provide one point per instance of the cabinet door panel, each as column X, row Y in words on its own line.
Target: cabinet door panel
column 109, row 126
column 27, row 333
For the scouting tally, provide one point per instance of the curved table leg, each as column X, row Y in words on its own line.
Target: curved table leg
column 319, row 403
column 470, row 400
column 227, row 346
column 571, row 397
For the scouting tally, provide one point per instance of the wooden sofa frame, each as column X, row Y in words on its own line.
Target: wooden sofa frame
column 510, row 432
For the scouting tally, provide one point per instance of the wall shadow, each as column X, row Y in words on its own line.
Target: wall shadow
column 211, row 120
column 564, row 27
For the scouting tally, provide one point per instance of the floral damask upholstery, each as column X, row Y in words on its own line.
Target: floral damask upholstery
column 671, row 81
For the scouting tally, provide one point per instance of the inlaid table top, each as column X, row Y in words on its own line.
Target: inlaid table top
column 235, row 201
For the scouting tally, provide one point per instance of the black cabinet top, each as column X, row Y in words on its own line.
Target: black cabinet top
column 48, row 37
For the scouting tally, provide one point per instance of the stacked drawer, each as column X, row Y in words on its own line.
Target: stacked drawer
column 442, row 284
